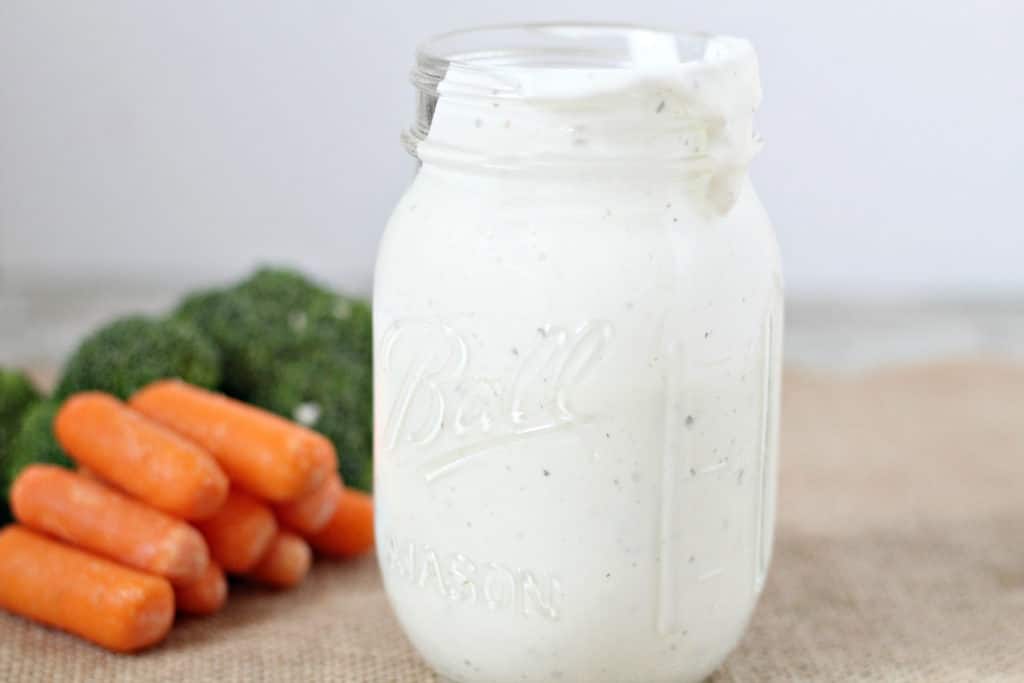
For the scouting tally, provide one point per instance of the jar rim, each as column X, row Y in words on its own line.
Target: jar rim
column 567, row 45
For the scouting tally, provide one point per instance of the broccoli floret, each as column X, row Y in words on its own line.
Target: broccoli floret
column 298, row 349
column 275, row 316
column 34, row 442
column 129, row 353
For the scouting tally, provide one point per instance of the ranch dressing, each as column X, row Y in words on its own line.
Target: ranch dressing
column 577, row 322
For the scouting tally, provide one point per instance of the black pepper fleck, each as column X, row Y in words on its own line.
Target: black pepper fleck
column 547, row 473
column 661, row 107
column 689, row 420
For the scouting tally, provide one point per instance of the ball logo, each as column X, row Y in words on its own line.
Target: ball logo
column 448, row 394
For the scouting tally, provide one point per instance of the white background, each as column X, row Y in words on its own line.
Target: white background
column 175, row 142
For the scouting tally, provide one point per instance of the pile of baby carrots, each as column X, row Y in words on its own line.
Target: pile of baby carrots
column 173, row 489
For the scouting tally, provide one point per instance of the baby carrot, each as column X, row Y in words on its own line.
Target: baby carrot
column 309, row 514
column 240, row 533
column 204, row 596
column 88, row 474
column 286, row 562
column 350, row 529
column 261, row 452
column 94, row 517
column 138, row 456
column 119, row 608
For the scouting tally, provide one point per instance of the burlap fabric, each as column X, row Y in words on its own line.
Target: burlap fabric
column 900, row 557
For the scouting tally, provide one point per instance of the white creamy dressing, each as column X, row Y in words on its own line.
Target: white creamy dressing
column 577, row 318
column 659, row 109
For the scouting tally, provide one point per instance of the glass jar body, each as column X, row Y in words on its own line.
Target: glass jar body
column 576, row 405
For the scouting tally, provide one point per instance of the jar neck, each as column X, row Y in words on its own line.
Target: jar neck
column 691, row 118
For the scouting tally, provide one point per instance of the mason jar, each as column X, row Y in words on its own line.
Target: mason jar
column 577, row 322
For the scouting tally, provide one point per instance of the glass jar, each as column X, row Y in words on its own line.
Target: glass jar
column 577, row 322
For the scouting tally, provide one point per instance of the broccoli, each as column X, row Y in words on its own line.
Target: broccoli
column 300, row 350
column 129, row 353
column 34, row 442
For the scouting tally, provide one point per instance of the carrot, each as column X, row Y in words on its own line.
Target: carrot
column 309, row 514
column 350, row 529
column 261, row 452
column 88, row 474
column 286, row 562
column 240, row 533
column 148, row 461
column 94, row 517
column 119, row 608
column 204, row 596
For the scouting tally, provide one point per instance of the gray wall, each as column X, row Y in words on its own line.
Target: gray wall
column 182, row 141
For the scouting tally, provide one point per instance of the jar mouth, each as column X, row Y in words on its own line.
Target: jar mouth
column 563, row 95
column 530, row 62
column 564, row 45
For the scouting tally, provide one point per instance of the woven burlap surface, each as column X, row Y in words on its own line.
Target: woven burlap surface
column 899, row 557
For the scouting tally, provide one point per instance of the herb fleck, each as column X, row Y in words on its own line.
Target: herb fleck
column 661, row 107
